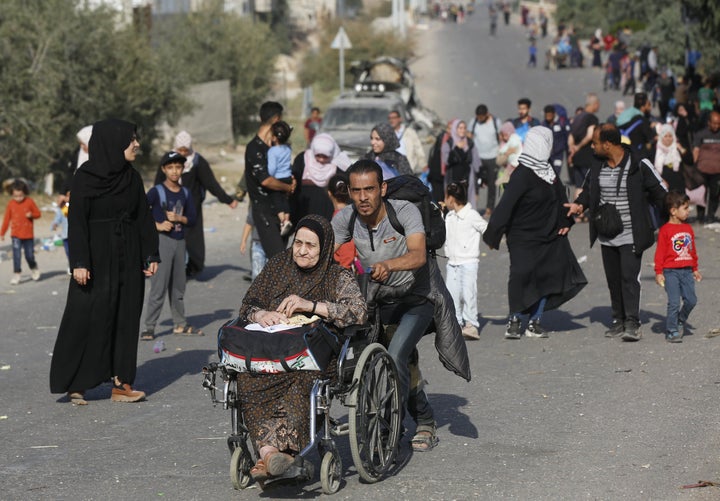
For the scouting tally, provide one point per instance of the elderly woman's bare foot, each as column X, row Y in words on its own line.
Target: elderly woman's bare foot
column 278, row 463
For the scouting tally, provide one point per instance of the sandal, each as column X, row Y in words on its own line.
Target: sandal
column 187, row 330
column 259, row 471
column 425, row 438
column 278, row 463
column 77, row 398
column 147, row 335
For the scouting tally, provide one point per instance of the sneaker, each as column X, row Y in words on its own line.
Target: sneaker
column 617, row 327
column 534, row 329
column 469, row 331
column 514, row 329
column 285, row 228
column 673, row 337
column 632, row 332
column 125, row 393
column 15, row 279
column 35, row 274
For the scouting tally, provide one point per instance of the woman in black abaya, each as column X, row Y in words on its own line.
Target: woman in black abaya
column 544, row 272
column 113, row 246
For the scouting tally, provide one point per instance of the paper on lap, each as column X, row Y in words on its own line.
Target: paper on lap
column 294, row 321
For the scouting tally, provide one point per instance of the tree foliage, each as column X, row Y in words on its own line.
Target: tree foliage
column 656, row 22
column 63, row 67
column 212, row 45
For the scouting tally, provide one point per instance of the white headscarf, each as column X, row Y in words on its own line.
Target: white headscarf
column 667, row 155
column 83, row 137
column 536, row 152
column 183, row 139
column 317, row 173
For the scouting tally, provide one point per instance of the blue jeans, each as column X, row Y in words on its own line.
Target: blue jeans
column 462, row 285
column 679, row 283
column 26, row 245
column 258, row 258
column 535, row 311
column 411, row 322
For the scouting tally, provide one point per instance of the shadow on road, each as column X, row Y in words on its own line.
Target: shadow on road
column 159, row 373
column 448, row 413
column 210, row 272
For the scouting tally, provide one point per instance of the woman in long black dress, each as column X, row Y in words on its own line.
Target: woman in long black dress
column 544, row 272
column 113, row 246
column 303, row 279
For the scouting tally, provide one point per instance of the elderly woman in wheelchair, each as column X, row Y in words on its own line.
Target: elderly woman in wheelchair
column 276, row 406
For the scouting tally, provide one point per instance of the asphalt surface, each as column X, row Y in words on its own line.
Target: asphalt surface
column 575, row 416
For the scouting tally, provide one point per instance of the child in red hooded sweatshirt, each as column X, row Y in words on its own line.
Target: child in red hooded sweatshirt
column 19, row 216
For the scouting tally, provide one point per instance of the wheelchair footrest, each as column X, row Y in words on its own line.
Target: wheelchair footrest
column 299, row 471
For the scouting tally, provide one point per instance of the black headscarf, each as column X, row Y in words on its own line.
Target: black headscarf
column 106, row 171
column 281, row 277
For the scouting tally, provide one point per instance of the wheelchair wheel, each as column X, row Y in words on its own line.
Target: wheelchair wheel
column 240, row 465
column 375, row 419
column 331, row 472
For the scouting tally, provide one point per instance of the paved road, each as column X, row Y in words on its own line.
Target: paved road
column 576, row 416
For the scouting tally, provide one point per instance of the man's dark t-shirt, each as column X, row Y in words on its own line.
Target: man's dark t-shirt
column 256, row 171
column 584, row 156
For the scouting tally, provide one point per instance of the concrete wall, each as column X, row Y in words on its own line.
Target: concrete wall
column 211, row 121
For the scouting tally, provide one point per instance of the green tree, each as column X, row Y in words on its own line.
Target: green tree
column 656, row 22
column 62, row 67
column 212, row 45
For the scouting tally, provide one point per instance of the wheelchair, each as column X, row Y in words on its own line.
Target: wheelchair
column 366, row 383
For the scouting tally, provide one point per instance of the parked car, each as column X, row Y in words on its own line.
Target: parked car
column 351, row 117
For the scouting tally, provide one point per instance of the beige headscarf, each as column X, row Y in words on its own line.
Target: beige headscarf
column 183, row 139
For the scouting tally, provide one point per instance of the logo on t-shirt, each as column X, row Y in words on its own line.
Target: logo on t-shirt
column 682, row 245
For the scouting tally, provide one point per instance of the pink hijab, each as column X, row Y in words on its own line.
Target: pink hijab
column 457, row 140
column 317, row 173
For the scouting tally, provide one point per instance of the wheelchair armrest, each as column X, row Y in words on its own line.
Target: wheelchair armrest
column 352, row 331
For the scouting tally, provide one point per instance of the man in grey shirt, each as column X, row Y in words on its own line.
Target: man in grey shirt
column 399, row 280
column 483, row 130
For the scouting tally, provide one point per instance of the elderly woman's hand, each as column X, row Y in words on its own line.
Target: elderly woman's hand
column 293, row 304
column 265, row 318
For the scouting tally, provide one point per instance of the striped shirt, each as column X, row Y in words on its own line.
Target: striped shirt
column 610, row 194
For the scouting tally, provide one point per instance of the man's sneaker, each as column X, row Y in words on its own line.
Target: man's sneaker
column 673, row 337
column 125, row 393
column 35, row 274
column 632, row 332
column 616, row 328
column 534, row 329
column 514, row 329
column 469, row 331
column 15, row 279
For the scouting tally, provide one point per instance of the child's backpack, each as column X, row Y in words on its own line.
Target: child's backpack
column 561, row 112
column 163, row 198
column 410, row 188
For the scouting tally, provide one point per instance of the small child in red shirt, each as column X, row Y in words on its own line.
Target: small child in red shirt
column 676, row 265
column 19, row 216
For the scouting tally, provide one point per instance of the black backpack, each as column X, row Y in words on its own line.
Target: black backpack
column 410, row 188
